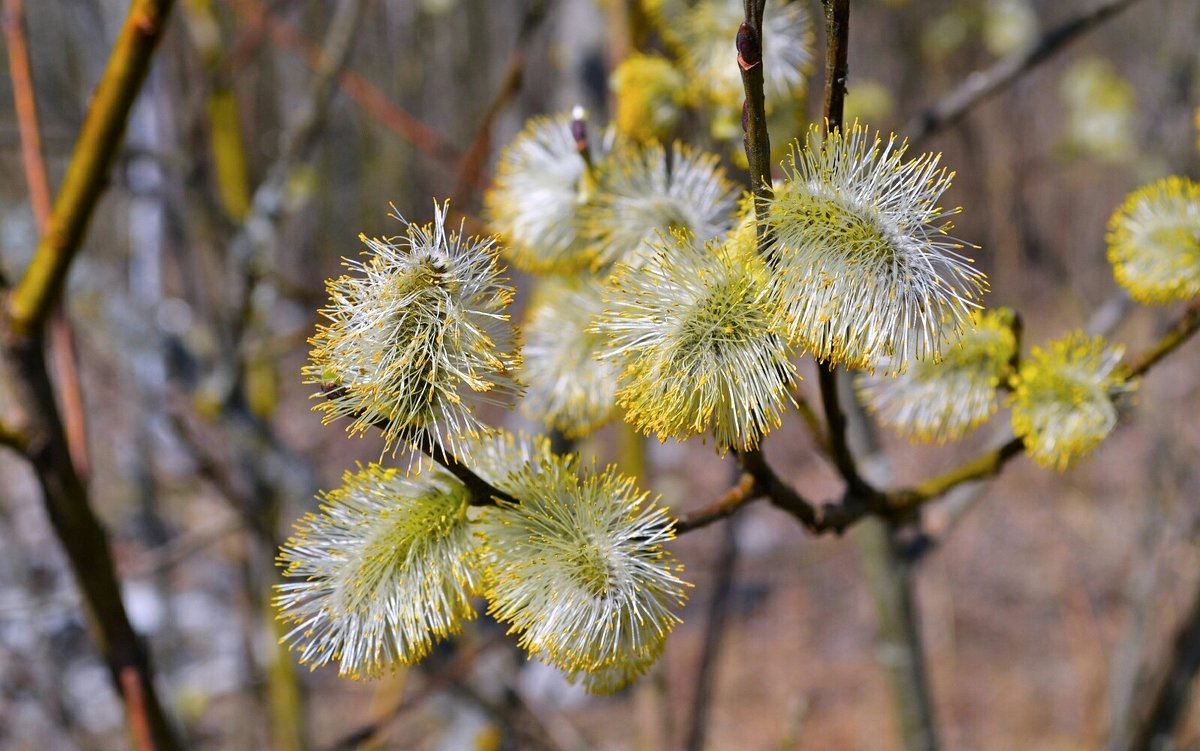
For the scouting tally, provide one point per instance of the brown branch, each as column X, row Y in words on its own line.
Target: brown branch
column 756, row 139
column 745, row 491
column 139, row 726
column 84, row 540
column 87, row 173
column 1165, row 702
column 61, row 341
column 982, row 84
column 470, row 172
column 65, row 494
column 25, row 104
column 759, row 480
column 837, row 31
column 1172, row 339
column 837, row 45
column 482, row 492
column 361, row 91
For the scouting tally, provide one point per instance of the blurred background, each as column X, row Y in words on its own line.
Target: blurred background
column 1046, row 604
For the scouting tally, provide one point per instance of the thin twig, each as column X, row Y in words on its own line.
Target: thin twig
column 742, row 493
column 25, row 104
column 837, row 35
column 835, row 420
column 714, row 630
column 754, row 111
column 87, row 173
column 61, row 341
column 1179, row 332
column 470, row 172
column 452, row 673
column 982, row 84
column 361, row 91
column 482, row 492
column 837, row 46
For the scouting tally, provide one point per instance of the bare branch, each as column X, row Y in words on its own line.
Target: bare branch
column 982, row 84
column 87, row 173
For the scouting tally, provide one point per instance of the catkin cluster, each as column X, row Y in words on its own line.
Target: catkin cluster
column 668, row 299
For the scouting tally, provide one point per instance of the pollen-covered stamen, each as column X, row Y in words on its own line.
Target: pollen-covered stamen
column 416, row 336
column 1062, row 403
column 1154, row 241
column 693, row 332
column 650, row 192
column 386, row 568
column 867, row 268
column 579, row 571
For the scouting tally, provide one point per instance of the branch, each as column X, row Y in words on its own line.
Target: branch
column 759, row 480
column 87, row 173
column 483, row 493
column 745, row 491
column 1165, row 703
column 837, row 33
column 471, row 170
column 25, row 105
column 837, row 37
column 982, row 84
column 1176, row 335
column 361, row 91
column 61, row 341
column 754, row 110
column 982, row 467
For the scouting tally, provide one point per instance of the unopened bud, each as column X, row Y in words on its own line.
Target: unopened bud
column 748, row 48
column 579, row 128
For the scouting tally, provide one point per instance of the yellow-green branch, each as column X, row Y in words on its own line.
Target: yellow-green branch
column 1175, row 336
column 87, row 174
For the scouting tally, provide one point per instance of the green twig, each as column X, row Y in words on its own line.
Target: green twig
column 1175, row 336
column 87, row 173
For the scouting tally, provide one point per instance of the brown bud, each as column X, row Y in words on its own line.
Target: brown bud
column 579, row 129
column 748, row 48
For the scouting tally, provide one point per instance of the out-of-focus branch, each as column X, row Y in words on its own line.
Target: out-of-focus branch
column 353, row 84
column 1166, row 700
column 25, row 104
column 982, row 84
column 470, row 171
column 714, row 630
column 85, row 541
column 87, row 173
column 1178, row 333
column 745, row 491
column 61, row 341
column 46, row 446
